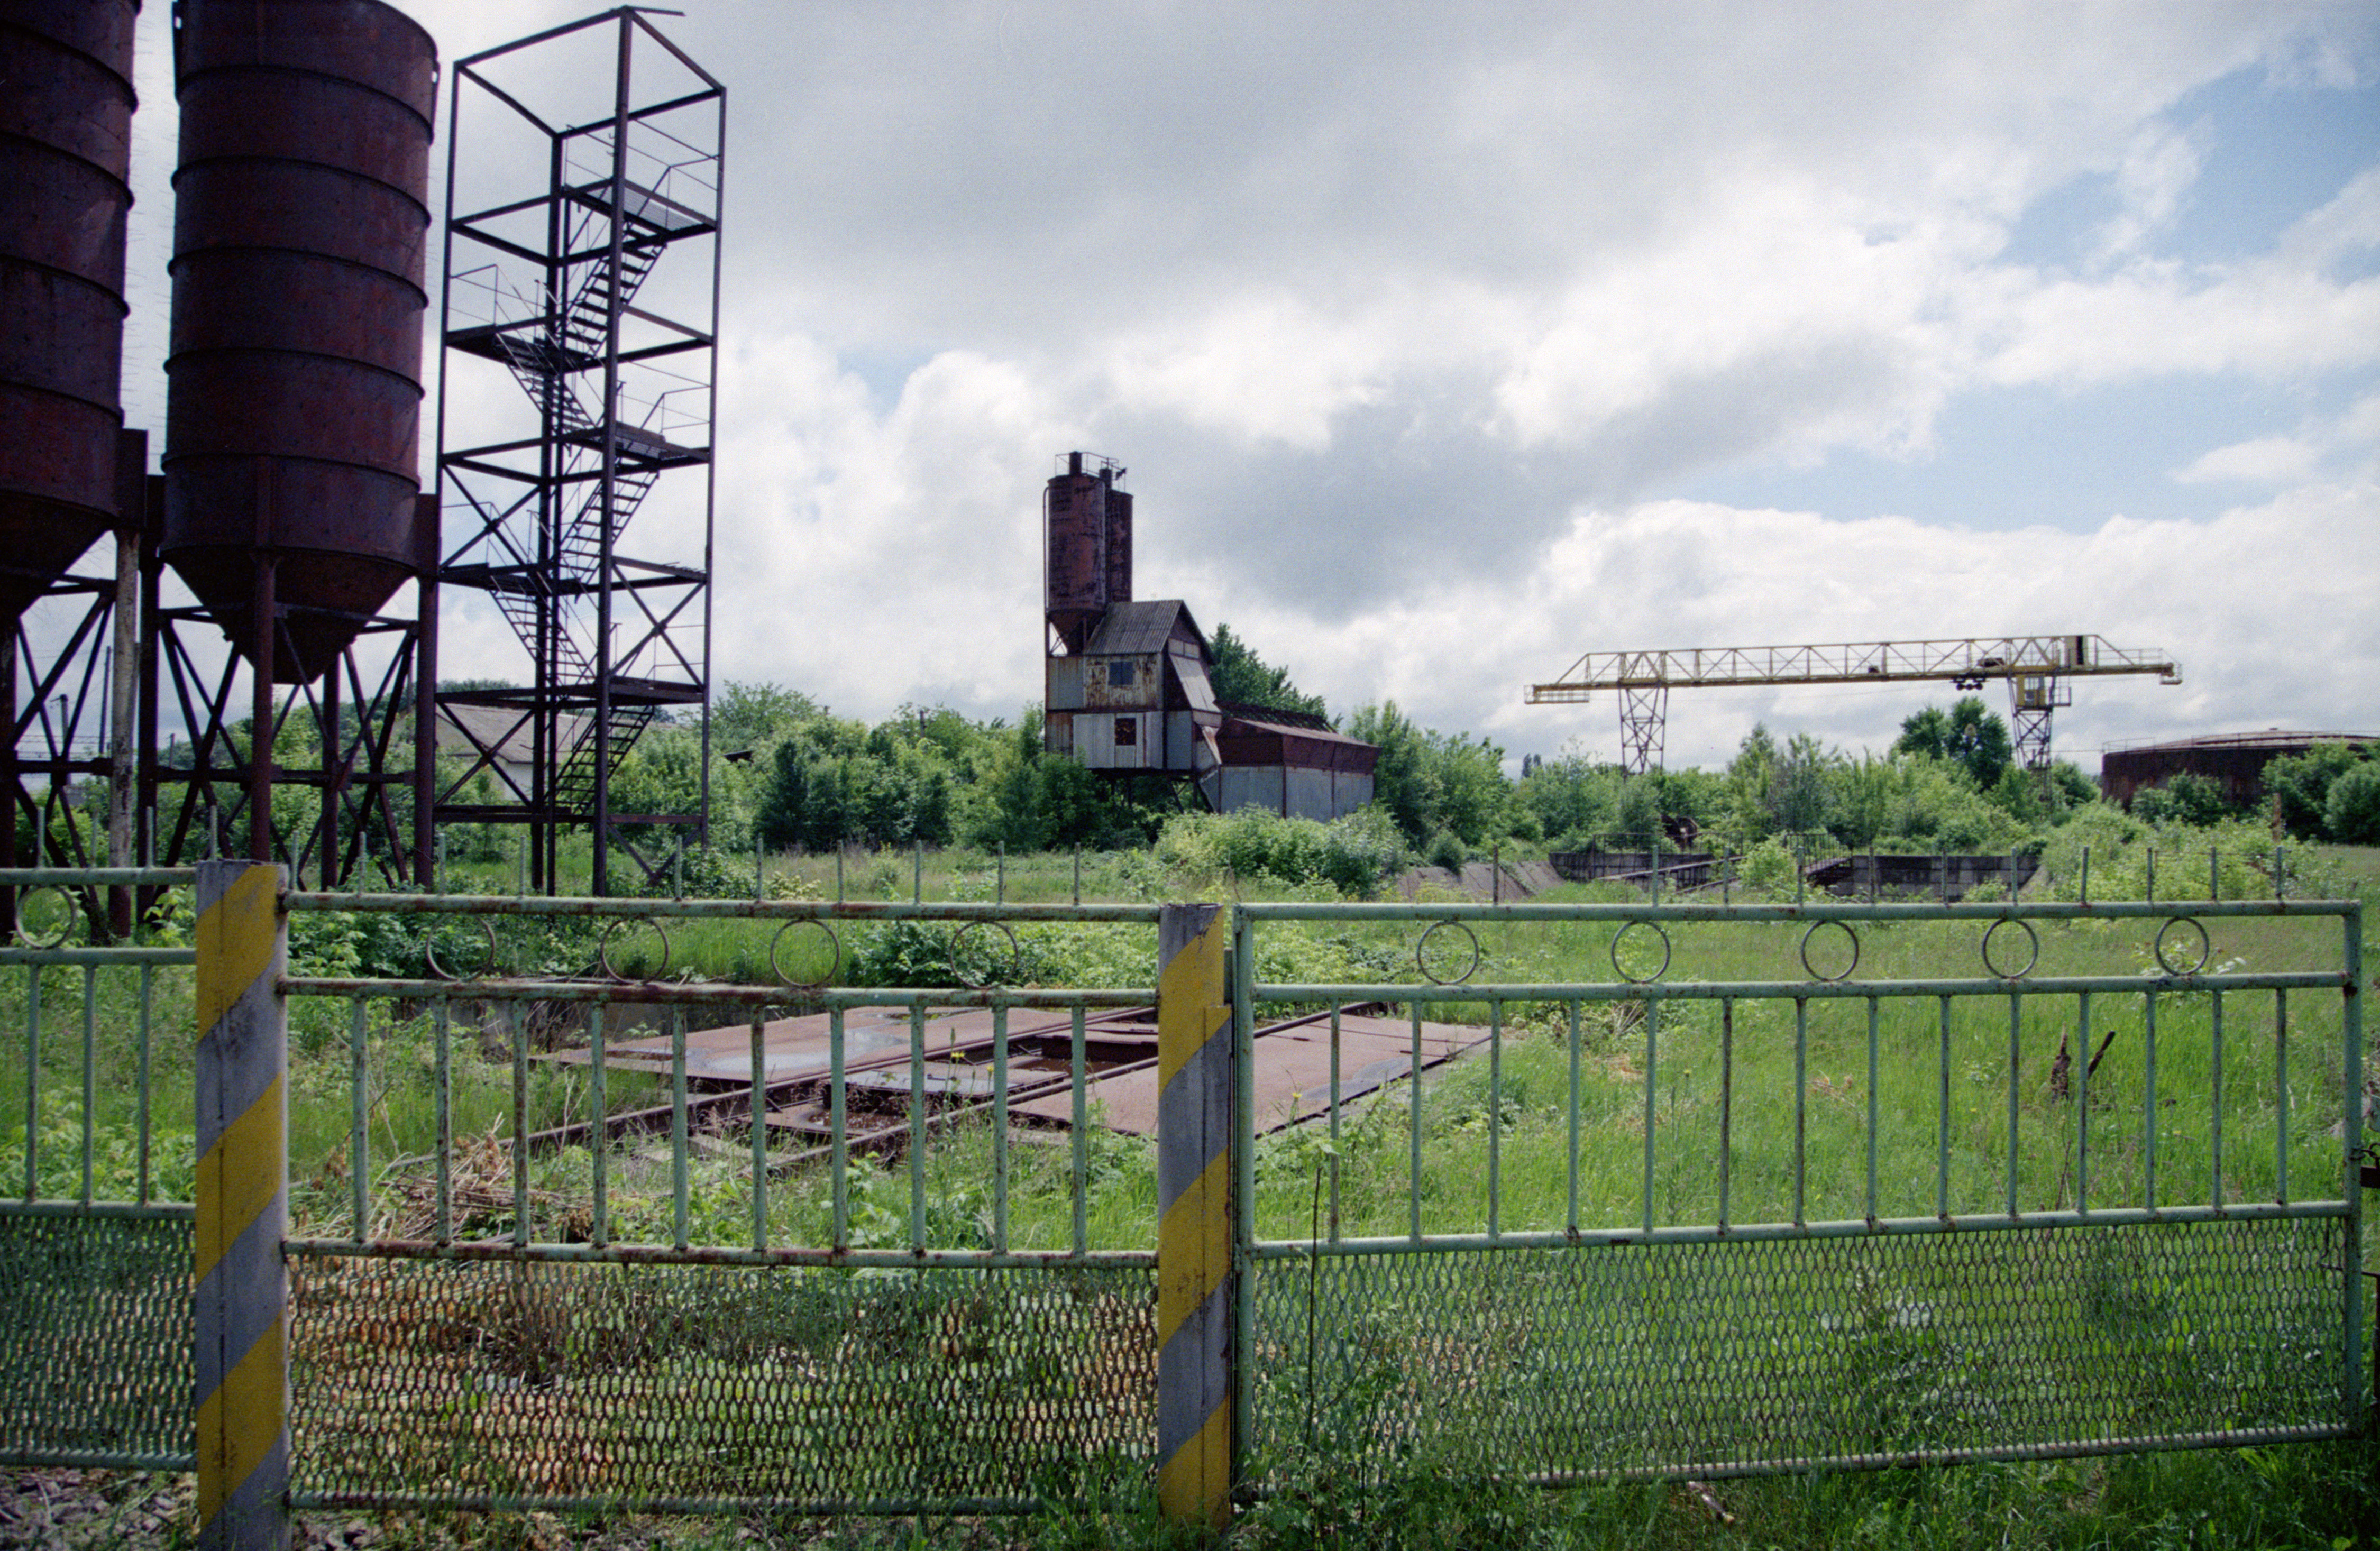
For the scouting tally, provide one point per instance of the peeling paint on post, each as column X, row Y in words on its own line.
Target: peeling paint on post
column 241, row 1285
column 1194, row 1244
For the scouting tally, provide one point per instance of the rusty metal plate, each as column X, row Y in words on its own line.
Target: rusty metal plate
column 1293, row 1073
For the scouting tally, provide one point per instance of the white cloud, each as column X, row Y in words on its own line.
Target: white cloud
column 2265, row 460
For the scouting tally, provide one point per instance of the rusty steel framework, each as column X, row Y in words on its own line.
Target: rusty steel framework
column 2039, row 669
column 582, row 263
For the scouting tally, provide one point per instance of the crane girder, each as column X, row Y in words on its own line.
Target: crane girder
column 1968, row 663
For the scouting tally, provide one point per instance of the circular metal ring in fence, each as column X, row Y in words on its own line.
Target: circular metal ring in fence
column 67, row 911
column 958, row 957
column 2204, row 947
column 833, row 955
column 1849, row 936
column 2031, row 949
column 1421, row 954
column 1619, row 966
column 487, row 955
column 603, row 949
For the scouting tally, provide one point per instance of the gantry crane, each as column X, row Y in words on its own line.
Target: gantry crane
column 2039, row 670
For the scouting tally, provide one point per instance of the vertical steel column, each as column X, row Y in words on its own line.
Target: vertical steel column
column 241, row 1297
column 266, row 623
column 2350, row 1146
column 1195, row 1240
column 124, row 674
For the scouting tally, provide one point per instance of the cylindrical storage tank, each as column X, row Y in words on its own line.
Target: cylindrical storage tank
column 294, row 382
column 65, row 121
column 1074, row 576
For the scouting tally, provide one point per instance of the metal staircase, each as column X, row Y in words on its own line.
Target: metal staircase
column 549, row 284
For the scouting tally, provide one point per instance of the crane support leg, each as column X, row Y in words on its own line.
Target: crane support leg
column 1643, row 715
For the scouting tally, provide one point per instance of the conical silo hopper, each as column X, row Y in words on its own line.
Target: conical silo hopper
column 66, row 115
column 294, row 385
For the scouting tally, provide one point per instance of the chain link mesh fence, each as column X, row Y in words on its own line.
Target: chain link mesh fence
column 668, row 1386
column 95, row 1342
column 1721, row 1358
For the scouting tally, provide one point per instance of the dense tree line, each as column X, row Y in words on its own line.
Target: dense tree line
column 787, row 773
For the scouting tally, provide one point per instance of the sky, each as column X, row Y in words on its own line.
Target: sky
column 1447, row 342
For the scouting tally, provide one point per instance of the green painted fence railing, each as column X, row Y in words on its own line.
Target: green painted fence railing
column 1717, row 1188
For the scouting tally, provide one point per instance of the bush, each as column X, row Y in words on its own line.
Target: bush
column 2299, row 784
column 1352, row 854
column 2188, row 798
column 1446, row 850
column 1767, row 868
column 2351, row 811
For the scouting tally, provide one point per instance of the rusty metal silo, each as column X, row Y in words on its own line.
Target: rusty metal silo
column 1088, row 524
column 66, row 113
column 294, row 381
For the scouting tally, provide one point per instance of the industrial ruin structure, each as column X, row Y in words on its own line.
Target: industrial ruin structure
column 1127, row 684
column 250, row 665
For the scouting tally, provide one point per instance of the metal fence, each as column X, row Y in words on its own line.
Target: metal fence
column 95, row 1229
column 1788, row 1214
column 617, row 1289
column 1720, row 1188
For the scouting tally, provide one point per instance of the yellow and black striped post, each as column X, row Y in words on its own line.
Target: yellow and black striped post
column 1194, row 1199
column 241, row 1289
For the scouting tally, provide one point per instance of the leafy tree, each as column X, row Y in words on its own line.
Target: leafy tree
column 746, row 715
column 1969, row 734
column 1779, row 790
column 2301, row 783
column 2188, row 798
column 2351, row 811
column 2069, row 787
column 1242, row 676
column 1569, row 799
column 1429, row 780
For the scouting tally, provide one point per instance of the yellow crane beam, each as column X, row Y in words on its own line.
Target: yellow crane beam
column 2035, row 668
column 1968, row 663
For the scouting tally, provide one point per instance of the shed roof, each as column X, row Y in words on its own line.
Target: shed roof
column 1138, row 628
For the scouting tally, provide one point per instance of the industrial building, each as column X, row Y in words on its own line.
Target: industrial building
column 1128, row 684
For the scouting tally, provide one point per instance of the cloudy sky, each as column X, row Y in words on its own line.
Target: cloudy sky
column 1447, row 342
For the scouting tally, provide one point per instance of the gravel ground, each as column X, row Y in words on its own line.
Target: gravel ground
column 52, row 1509
column 45, row 1508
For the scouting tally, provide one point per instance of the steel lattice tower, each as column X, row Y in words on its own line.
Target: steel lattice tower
column 582, row 263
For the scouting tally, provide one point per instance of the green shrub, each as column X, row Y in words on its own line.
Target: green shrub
column 1767, row 868
column 1350, row 854
column 2351, row 811
column 1446, row 850
column 2299, row 784
column 2188, row 798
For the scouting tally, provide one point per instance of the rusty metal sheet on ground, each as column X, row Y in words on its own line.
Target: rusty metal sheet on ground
column 795, row 1047
column 1293, row 1073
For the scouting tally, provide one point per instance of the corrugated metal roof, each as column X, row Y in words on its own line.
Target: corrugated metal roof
column 1243, row 722
column 1134, row 629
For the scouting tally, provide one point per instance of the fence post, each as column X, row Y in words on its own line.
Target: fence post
column 1194, row 1199
column 241, row 1302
